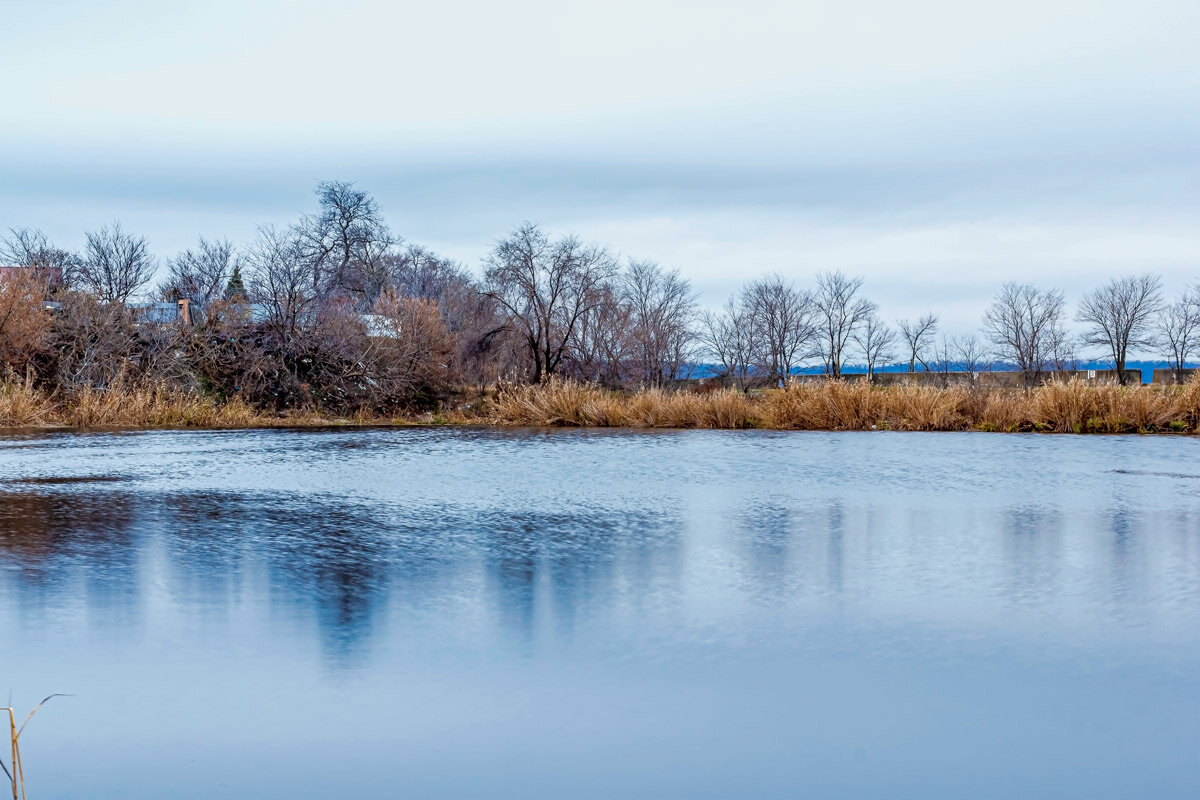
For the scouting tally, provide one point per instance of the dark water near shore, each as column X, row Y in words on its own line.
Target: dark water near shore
column 565, row 614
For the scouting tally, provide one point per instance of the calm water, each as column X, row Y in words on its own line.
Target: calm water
column 457, row 613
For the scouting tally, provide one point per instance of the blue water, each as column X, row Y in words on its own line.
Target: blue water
column 585, row 614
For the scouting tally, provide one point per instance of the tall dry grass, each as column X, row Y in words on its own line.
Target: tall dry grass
column 1076, row 407
column 1073, row 406
column 126, row 406
column 567, row 403
column 1070, row 407
column 21, row 406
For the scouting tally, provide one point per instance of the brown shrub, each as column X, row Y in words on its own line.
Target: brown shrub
column 24, row 325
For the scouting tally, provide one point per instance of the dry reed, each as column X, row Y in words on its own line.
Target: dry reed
column 122, row 406
column 1068, row 407
column 16, row 775
column 21, row 406
column 1073, row 406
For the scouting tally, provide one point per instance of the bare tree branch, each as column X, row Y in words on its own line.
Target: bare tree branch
column 1024, row 323
column 840, row 313
column 1120, row 315
column 917, row 334
column 116, row 264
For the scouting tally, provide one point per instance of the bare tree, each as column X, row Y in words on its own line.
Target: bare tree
column 785, row 323
column 345, row 242
column 971, row 354
column 943, row 360
column 600, row 343
column 29, row 248
column 662, row 315
column 840, row 312
column 281, row 280
column 877, row 342
column 201, row 275
column 917, row 335
column 116, row 264
column 1120, row 315
column 546, row 287
column 416, row 271
column 1179, row 331
column 1022, row 322
column 730, row 335
column 1064, row 348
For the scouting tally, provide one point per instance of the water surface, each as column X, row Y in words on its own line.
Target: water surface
column 589, row 614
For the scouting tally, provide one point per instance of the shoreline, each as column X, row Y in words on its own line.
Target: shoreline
column 335, row 425
column 1071, row 407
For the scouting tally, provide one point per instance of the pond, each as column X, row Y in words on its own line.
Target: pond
column 464, row 613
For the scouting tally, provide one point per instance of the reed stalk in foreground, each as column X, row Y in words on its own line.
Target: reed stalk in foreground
column 16, row 775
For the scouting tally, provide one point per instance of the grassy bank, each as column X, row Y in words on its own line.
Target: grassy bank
column 1072, row 407
column 149, row 407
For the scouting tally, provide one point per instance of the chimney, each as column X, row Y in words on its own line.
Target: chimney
column 185, row 311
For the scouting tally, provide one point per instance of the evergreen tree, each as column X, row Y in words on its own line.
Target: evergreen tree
column 236, row 290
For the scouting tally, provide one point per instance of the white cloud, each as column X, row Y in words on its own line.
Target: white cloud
column 936, row 147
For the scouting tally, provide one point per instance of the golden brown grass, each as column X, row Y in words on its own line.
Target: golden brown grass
column 156, row 406
column 1071, row 407
column 21, row 406
column 560, row 402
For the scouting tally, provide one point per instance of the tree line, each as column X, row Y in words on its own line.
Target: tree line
column 771, row 325
column 337, row 310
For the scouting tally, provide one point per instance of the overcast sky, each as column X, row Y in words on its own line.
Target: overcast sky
column 936, row 148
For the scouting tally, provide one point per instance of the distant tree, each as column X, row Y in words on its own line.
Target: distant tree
column 29, row 248
column 877, row 342
column 1064, row 348
column 971, row 354
column 235, row 290
column 661, row 317
column 1023, row 323
column 416, row 271
column 1120, row 315
column 115, row 265
column 729, row 334
column 840, row 312
column 281, row 280
column 943, row 360
column 1179, row 331
column 601, row 343
column 346, row 243
column 917, row 335
column 785, row 323
column 545, row 287
column 201, row 275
